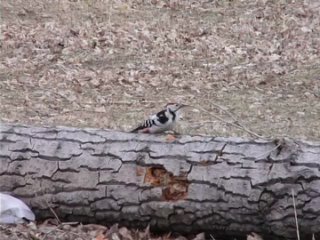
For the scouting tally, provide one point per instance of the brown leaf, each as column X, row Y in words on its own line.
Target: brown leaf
column 254, row 236
column 101, row 236
column 114, row 228
column 146, row 234
column 125, row 233
column 200, row 236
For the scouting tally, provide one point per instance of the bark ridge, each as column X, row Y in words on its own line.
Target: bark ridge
column 192, row 183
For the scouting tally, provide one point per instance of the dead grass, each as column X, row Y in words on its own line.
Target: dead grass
column 108, row 64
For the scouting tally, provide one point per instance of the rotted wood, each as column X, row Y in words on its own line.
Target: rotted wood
column 184, row 184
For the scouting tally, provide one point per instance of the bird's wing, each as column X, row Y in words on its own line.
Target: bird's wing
column 161, row 117
column 153, row 120
column 145, row 124
column 153, row 117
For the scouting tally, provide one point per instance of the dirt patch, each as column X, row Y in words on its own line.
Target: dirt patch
column 109, row 64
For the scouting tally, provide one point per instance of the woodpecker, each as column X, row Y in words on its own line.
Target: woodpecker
column 162, row 121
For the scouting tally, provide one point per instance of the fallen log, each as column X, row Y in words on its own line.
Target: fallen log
column 185, row 184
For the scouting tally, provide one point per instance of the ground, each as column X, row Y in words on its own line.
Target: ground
column 74, row 231
column 109, row 64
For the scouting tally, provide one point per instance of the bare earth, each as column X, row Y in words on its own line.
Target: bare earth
column 109, row 64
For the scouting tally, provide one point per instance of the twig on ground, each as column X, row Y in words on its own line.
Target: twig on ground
column 280, row 143
column 212, row 237
column 55, row 215
column 70, row 223
column 235, row 122
column 268, row 152
column 47, row 233
column 72, row 232
column 295, row 215
column 53, row 212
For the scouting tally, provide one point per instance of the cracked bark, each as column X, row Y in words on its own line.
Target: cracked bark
column 194, row 183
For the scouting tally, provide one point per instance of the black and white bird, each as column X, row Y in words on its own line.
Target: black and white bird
column 162, row 121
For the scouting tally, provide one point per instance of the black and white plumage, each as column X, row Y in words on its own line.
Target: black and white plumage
column 162, row 121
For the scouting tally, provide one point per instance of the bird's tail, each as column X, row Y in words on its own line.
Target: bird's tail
column 141, row 127
column 135, row 130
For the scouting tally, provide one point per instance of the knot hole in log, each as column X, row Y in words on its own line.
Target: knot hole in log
column 174, row 188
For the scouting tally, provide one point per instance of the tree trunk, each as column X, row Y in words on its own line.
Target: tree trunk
column 188, row 184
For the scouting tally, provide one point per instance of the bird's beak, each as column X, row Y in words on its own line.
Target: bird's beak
column 182, row 106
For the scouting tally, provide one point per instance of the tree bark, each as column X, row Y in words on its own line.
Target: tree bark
column 187, row 184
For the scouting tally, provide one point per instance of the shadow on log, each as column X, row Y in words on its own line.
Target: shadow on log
column 187, row 184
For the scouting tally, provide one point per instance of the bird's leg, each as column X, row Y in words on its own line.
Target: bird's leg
column 176, row 133
column 172, row 135
column 173, row 132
